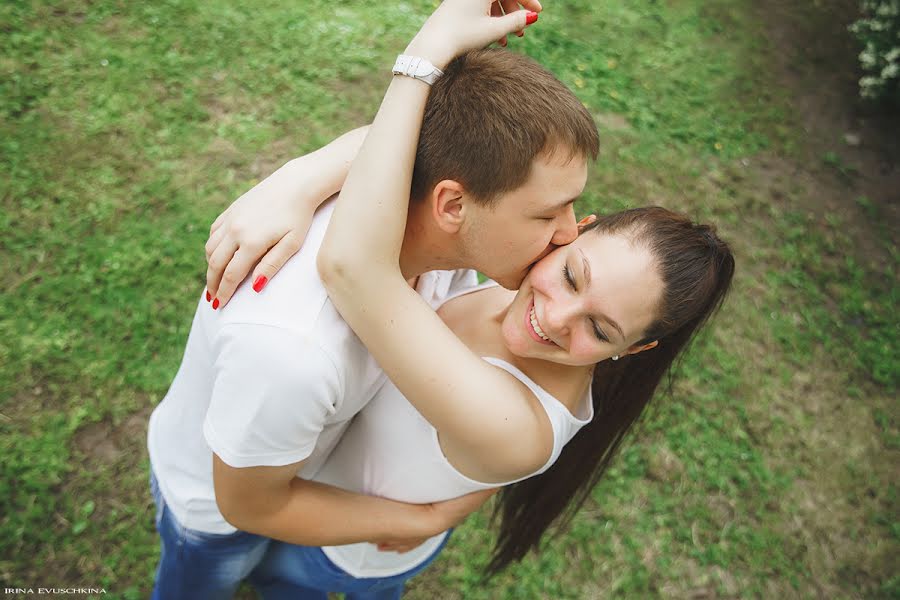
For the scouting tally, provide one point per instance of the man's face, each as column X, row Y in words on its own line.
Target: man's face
column 524, row 225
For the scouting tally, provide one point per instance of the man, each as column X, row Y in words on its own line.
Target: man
column 269, row 382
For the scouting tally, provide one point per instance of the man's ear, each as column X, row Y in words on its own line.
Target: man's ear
column 636, row 349
column 585, row 222
column 448, row 206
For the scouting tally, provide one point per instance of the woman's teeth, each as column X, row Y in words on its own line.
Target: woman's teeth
column 537, row 328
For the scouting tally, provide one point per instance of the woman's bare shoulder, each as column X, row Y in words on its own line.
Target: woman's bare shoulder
column 565, row 383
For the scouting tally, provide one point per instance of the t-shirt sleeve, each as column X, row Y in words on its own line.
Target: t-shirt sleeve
column 273, row 393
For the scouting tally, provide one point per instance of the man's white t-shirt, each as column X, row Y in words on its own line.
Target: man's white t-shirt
column 268, row 380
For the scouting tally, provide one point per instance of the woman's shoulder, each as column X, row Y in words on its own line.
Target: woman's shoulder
column 565, row 384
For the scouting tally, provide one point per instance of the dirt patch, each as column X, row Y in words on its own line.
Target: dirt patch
column 102, row 444
column 105, row 488
column 847, row 474
column 95, row 443
column 664, row 465
column 852, row 149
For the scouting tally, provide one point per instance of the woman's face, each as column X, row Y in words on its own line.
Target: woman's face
column 584, row 302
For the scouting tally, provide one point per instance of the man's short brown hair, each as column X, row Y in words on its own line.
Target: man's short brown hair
column 490, row 115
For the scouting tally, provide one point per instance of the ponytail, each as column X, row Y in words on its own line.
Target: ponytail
column 696, row 268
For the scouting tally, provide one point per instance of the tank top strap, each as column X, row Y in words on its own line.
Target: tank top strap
column 564, row 424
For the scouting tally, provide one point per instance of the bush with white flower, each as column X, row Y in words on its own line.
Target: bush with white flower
column 879, row 32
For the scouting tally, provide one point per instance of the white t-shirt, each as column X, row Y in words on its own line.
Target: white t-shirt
column 390, row 450
column 268, row 380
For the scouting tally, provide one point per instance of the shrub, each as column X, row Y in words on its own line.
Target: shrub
column 879, row 32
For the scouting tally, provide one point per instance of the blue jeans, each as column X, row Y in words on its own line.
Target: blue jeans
column 290, row 572
column 195, row 565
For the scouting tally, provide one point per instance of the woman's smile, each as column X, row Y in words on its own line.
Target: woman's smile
column 534, row 326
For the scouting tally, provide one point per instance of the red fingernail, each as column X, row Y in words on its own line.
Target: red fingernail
column 530, row 17
column 520, row 33
column 260, row 283
column 208, row 296
column 215, row 304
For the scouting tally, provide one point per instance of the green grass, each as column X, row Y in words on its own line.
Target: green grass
column 126, row 127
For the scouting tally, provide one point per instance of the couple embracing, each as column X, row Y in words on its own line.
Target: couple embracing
column 328, row 428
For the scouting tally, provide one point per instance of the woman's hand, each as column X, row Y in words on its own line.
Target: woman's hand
column 461, row 25
column 267, row 225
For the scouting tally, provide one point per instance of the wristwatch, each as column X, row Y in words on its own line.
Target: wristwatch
column 417, row 68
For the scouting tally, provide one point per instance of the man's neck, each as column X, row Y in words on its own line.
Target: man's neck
column 426, row 248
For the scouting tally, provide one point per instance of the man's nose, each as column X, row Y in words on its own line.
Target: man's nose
column 566, row 230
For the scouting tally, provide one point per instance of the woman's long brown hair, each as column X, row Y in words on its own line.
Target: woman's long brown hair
column 696, row 268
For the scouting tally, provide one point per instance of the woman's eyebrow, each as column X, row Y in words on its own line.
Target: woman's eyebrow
column 586, row 277
column 586, row 267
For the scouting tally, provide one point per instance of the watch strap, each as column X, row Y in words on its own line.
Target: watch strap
column 417, row 68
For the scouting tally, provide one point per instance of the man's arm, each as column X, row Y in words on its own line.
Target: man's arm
column 273, row 502
column 274, row 391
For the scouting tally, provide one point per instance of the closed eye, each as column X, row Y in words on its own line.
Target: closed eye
column 567, row 275
column 599, row 332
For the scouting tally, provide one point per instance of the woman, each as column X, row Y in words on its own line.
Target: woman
column 505, row 385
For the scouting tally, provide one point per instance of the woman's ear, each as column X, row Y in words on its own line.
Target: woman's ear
column 641, row 348
column 448, row 205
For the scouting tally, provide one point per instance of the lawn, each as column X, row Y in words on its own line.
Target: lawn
column 769, row 471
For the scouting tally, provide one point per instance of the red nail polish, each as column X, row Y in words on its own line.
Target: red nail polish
column 520, row 34
column 208, row 296
column 260, row 283
column 530, row 17
column 215, row 304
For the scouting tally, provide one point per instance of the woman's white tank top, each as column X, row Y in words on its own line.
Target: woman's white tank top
column 391, row 451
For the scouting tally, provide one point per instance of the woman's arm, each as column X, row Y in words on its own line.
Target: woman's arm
column 268, row 224
column 472, row 404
